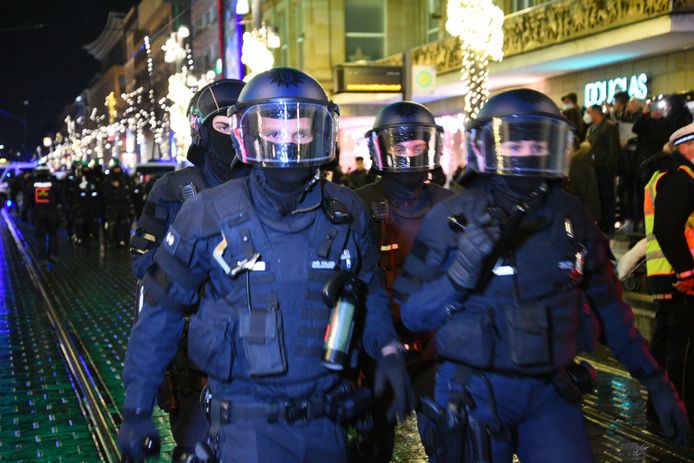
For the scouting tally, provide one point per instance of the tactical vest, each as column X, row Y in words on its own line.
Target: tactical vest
column 160, row 212
column 656, row 263
column 398, row 227
column 260, row 333
column 532, row 317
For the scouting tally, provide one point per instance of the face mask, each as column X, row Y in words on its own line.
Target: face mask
column 529, row 164
column 568, row 106
column 222, row 146
column 586, row 118
column 410, row 180
column 287, row 179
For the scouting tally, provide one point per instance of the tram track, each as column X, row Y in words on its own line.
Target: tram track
column 84, row 375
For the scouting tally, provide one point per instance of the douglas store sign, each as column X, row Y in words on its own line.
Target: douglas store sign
column 604, row 90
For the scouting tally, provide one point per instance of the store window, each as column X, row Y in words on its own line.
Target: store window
column 433, row 19
column 523, row 4
column 365, row 29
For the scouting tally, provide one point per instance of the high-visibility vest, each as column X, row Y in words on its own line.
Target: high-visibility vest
column 656, row 263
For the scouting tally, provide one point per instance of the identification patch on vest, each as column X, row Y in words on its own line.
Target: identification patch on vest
column 323, row 264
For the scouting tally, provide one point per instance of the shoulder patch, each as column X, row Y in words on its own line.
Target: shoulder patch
column 171, row 241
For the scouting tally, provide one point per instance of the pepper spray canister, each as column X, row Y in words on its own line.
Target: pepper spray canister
column 343, row 292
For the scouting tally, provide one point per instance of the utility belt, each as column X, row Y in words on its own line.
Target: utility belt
column 344, row 405
column 456, row 436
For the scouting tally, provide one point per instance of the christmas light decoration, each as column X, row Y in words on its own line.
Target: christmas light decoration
column 155, row 125
column 255, row 52
column 478, row 24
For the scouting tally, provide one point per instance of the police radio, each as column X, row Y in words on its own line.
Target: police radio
column 344, row 293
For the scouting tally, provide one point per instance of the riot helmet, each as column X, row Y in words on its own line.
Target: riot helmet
column 405, row 137
column 283, row 118
column 520, row 133
column 207, row 133
column 42, row 170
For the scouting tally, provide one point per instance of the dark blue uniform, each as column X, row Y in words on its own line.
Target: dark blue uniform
column 180, row 394
column 258, row 334
column 538, row 311
column 160, row 210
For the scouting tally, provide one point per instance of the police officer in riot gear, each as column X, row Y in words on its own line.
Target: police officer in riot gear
column 405, row 145
column 45, row 199
column 88, row 212
column 212, row 154
column 262, row 248
column 517, row 286
column 117, row 191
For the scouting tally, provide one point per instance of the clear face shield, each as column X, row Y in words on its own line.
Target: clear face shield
column 284, row 134
column 410, row 148
column 528, row 146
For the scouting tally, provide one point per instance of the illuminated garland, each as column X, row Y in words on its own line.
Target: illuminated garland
column 92, row 137
column 478, row 24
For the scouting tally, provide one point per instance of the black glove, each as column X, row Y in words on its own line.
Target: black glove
column 669, row 408
column 138, row 438
column 475, row 245
column 392, row 369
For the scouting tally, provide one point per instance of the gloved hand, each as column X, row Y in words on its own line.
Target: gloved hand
column 685, row 285
column 669, row 408
column 475, row 245
column 392, row 369
column 138, row 438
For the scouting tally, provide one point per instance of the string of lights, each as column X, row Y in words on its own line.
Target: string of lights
column 478, row 24
column 100, row 135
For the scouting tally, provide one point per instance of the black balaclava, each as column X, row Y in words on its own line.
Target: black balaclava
column 406, row 190
column 410, row 180
column 286, row 186
column 221, row 154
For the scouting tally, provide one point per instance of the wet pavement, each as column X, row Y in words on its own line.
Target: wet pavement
column 52, row 409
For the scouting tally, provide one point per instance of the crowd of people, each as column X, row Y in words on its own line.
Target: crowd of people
column 91, row 203
column 470, row 307
column 279, row 309
column 615, row 150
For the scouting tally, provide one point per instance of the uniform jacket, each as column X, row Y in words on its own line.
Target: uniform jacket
column 536, row 274
column 298, row 251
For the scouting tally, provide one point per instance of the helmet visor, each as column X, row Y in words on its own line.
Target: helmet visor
column 521, row 145
column 406, row 148
column 284, row 134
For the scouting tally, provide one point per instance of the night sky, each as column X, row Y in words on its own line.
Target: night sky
column 45, row 65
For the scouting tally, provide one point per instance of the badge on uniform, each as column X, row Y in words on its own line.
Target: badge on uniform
column 171, row 240
column 346, row 258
